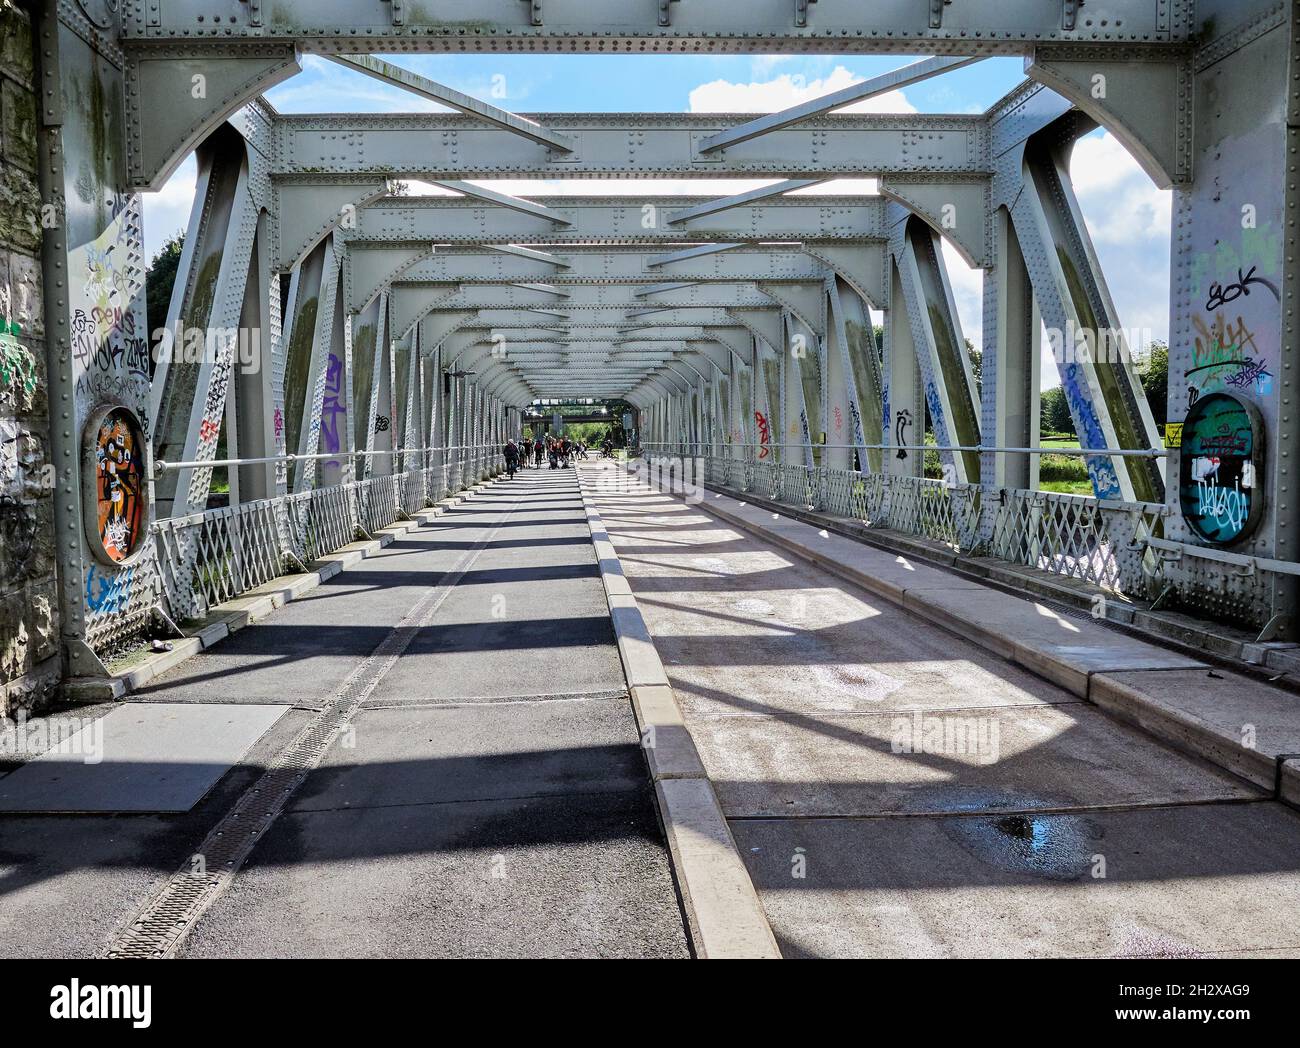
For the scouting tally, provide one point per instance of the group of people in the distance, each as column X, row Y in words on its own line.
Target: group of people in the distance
column 559, row 451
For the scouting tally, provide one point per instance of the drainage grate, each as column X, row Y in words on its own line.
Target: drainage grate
column 161, row 924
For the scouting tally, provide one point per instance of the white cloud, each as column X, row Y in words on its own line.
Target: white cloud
column 968, row 294
column 770, row 96
column 168, row 210
column 1129, row 221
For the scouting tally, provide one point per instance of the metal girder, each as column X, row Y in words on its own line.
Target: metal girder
column 620, row 220
column 434, row 147
column 781, row 26
column 411, row 303
column 1147, row 106
column 877, row 85
column 617, row 319
column 712, row 207
column 940, row 347
column 526, row 252
column 616, row 264
column 173, row 103
column 449, row 96
column 188, row 396
column 306, row 214
column 1104, row 392
column 957, row 210
column 368, row 272
column 512, row 203
column 691, row 253
column 612, row 296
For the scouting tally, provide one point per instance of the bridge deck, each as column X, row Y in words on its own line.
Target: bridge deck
column 489, row 799
column 893, row 788
column 831, row 723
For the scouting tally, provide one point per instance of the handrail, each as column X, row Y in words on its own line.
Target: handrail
column 162, row 466
column 978, row 448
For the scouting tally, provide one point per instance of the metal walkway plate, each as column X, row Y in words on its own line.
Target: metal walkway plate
column 142, row 757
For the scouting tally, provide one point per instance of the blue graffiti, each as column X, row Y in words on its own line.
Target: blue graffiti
column 108, row 594
column 936, row 413
column 1105, row 482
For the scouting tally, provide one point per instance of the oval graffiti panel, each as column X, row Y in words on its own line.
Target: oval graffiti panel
column 117, row 521
column 1222, row 464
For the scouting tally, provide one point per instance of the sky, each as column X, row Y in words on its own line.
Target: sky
column 1127, row 217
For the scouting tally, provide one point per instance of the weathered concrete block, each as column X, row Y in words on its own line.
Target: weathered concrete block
column 18, row 112
column 16, row 58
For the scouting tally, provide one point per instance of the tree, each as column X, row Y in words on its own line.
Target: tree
column 976, row 366
column 158, row 283
column 1155, row 381
column 160, row 278
column 1054, row 415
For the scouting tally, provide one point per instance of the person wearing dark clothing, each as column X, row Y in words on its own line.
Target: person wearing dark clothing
column 511, row 452
column 539, row 449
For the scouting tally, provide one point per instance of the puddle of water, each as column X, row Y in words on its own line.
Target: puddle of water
column 1057, row 847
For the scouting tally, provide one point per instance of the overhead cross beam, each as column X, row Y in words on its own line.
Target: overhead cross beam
column 179, row 27
column 877, row 85
column 449, row 96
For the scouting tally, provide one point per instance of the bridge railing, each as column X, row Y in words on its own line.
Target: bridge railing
column 1102, row 542
column 204, row 559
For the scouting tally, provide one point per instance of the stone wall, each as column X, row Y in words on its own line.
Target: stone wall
column 28, row 626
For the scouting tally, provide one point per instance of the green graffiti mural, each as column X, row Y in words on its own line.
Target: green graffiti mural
column 17, row 366
column 1222, row 469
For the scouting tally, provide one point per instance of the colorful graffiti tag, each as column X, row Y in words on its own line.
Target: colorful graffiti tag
column 119, row 484
column 1222, row 459
column 764, row 434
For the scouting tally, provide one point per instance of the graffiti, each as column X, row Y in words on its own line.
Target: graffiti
column 1220, row 296
column 1105, row 481
column 857, row 423
column 1220, row 452
column 17, row 366
column 764, row 434
column 901, row 425
column 839, row 420
column 278, row 423
column 218, row 383
column 108, row 594
column 382, row 423
column 208, row 430
column 119, row 484
column 332, row 408
column 1252, row 372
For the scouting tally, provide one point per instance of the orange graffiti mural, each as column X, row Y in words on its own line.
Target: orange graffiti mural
column 119, row 484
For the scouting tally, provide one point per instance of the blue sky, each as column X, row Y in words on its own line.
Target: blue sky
column 1127, row 217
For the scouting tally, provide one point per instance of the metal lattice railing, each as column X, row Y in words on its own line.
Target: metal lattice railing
column 1073, row 536
column 199, row 561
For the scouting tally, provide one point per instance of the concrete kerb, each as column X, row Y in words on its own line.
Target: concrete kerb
column 724, row 915
column 255, row 605
column 1084, row 670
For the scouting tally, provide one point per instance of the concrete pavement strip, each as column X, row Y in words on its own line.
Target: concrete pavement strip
column 1252, row 734
column 725, row 917
column 251, row 607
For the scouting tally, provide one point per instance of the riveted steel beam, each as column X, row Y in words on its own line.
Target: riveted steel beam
column 877, row 85
column 744, row 26
column 436, row 147
column 614, row 220
column 449, row 96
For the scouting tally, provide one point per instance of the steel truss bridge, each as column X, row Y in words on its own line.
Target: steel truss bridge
column 396, row 339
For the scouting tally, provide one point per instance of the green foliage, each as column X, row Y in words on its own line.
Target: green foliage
column 159, row 280
column 1054, row 415
column 1155, row 381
